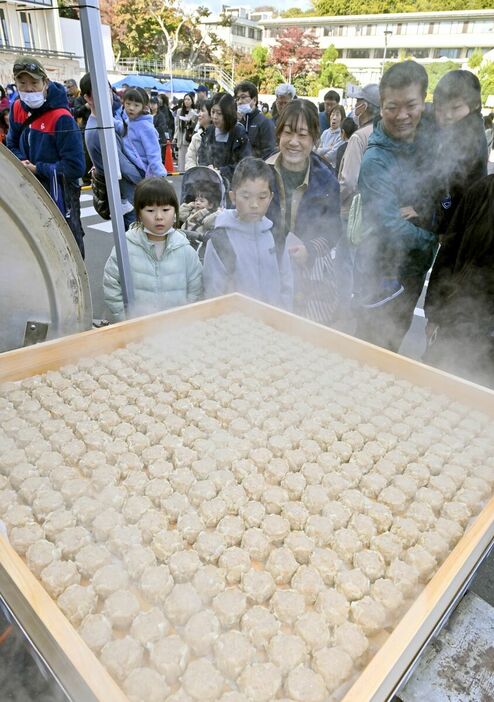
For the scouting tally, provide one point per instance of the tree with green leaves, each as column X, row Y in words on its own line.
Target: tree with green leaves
column 435, row 72
column 334, row 75
column 486, row 78
column 151, row 29
column 475, row 59
column 381, row 7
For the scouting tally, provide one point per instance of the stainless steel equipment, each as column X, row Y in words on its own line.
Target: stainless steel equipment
column 44, row 289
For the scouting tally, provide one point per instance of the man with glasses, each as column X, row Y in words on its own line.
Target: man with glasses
column 45, row 137
column 397, row 246
column 259, row 128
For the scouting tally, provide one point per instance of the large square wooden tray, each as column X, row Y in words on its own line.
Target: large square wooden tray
column 79, row 668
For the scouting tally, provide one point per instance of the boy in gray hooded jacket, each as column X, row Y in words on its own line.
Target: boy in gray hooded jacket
column 241, row 255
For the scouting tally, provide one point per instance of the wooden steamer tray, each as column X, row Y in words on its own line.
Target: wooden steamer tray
column 81, row 669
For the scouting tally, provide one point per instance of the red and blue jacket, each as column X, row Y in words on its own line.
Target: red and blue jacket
column 53, row 139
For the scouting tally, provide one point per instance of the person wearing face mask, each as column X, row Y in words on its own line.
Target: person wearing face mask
column 259, row 128
column 366, row 111
column 45, row 137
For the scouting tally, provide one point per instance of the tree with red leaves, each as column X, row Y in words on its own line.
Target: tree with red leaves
column 297, row 49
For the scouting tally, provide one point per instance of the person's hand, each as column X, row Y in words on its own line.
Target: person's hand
column 408, row 213
column 299, row 254
column 30, row 166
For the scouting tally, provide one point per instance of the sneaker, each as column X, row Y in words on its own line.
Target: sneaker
column 390, row 289
column 126, row 206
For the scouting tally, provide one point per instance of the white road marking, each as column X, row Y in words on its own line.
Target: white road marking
column 86, row 197
column 419, row 312
column 102, row 227
column 88, row 212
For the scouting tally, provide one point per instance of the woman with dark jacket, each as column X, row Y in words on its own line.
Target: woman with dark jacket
column 164, row 108
column 461, row 154
column 460, row 297
column 305, row 211
column 159, row 121
column 225, row 141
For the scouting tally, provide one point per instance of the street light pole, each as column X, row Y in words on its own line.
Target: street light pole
column 387, row 32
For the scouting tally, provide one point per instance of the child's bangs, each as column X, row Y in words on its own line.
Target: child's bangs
column 133, row 95
column 155, row 191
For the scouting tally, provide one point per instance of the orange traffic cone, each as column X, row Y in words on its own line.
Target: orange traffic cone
column 169, row 158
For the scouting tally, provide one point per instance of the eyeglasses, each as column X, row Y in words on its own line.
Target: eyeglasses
column 30, row 67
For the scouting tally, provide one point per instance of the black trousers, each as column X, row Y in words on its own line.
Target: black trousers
column 386, row 326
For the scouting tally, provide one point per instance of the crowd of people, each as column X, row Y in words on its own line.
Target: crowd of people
column 336, row 217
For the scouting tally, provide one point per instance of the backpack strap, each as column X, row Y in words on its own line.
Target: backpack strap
column 221, row 243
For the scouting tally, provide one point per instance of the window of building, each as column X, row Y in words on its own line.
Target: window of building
column 399, row 28
column 378, row 53
column 4, row 31
column 392, row 53
column 259, row 34
column 420, row 53
column 370, row 30
column 358, row 53
column 483, row 49
column 447, row 53
column 252, row 33
column 27, row 30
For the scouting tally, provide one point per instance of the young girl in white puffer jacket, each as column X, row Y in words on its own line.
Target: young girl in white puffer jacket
column 166, row 271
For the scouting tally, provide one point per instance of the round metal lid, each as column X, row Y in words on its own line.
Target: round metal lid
column 44, row 288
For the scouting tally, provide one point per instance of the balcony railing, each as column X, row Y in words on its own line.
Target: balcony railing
column 48, row 53
column 45, row 3
column 181, row 69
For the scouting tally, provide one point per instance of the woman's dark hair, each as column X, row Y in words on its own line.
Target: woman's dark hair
column 163, row 100
column 207, row 105
column 403, row 74
column 291, row 115
column 192, row 97
column 488, row 121
column 228, row 108
column 2, row 92
column 348, row 126
column 155, row 191
column 459, row 84
column 340, row 109
column 136, row 95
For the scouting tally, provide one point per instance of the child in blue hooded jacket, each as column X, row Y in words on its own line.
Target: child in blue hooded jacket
column 241, row 255
column 140, row 138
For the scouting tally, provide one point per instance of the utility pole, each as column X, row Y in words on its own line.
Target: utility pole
column 387, row 33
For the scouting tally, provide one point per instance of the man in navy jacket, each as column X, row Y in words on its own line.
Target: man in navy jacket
column 259, row 128
column 45, row 137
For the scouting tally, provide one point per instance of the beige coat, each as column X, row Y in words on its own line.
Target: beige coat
column 350, row 166
column 193, row 150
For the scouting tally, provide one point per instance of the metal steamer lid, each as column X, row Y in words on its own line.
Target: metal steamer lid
column 44, row 288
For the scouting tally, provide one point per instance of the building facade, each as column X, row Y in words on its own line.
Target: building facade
column 235, row 27
column 33, row 27
column 365, row 42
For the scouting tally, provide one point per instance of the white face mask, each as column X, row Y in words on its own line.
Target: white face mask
column 33, row 100
column 244, row 109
